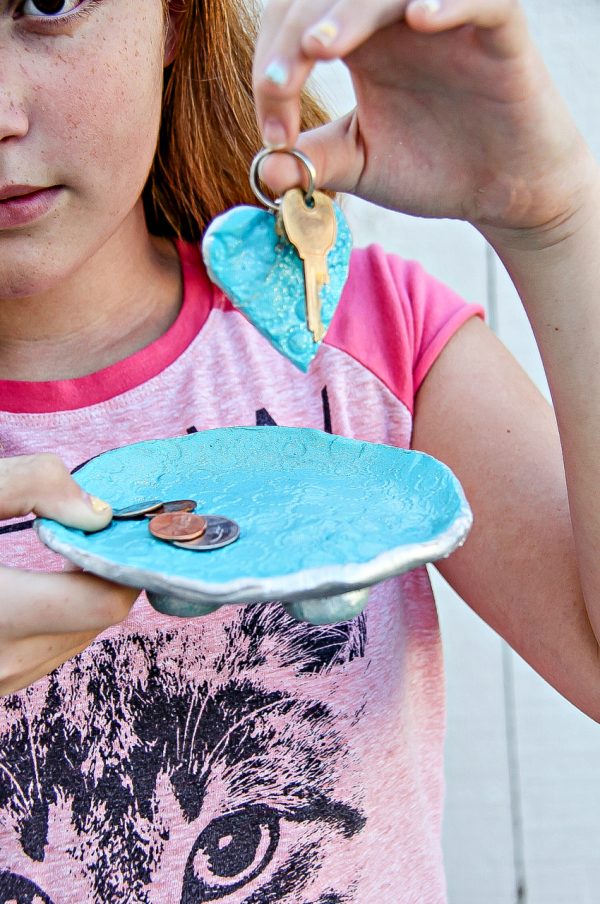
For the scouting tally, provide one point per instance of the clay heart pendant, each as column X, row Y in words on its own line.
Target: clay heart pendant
column 263, row 276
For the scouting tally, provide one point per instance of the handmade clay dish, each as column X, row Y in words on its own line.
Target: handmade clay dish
column 322, row 519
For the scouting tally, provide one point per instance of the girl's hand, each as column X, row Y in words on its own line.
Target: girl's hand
column 46, row 619
column 456, row 115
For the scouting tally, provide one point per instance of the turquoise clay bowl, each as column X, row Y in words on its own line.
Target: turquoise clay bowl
column 322, row 519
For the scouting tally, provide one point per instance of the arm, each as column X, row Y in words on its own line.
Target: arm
column 518, row 569
column 531, row 568
column 456, row 116
column 46, row 619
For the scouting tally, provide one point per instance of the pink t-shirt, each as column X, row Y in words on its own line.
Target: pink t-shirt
column 241, row 758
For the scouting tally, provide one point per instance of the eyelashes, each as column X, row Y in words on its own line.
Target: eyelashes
column 55, row 21
column 56, row 7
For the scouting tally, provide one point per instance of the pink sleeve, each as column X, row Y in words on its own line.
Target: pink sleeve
column 395, row 319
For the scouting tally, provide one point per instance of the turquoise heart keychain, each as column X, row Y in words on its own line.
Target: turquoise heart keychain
column 283, row 267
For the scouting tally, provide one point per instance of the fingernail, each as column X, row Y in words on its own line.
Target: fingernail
column 277, row 73
column 274, row 134
column 97, row 505
column 430, row 7
column 325, row 32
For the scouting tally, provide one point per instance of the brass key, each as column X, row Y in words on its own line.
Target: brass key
column 312, row 231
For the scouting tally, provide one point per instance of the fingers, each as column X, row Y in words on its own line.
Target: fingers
column 46, row 619
column 502, row 25
column 33, row 658
column 42, row 484
column 334, row 151
column 442, row 15
column 347, row 25
column 295, row 34
column 35, row 603
column 281, row 68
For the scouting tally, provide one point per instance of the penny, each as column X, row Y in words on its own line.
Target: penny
column 177, row 526
column 175, row 505
column 220, row 531
column 137, row 510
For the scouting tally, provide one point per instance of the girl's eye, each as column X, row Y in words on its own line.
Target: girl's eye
column 48, row 8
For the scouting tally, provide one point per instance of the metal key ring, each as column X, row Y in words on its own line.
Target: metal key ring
column 266, row 152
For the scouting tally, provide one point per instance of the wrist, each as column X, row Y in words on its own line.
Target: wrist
column 575, row 210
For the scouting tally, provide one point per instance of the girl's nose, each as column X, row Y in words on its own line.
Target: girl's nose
column 14, row 122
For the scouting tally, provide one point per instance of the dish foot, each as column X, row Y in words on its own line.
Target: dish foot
column 330, row 609
column 172, row 605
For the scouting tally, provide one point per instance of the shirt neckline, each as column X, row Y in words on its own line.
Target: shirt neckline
column 43, row 397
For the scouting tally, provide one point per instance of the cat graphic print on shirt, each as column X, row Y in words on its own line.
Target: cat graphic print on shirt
column 243, row 757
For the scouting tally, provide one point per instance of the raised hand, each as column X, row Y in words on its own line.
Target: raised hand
column 456, row 115
column 46, row 619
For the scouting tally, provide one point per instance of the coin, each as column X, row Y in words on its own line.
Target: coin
column 137, row 510
column 177, row 526
column 175, row 505
column 220, row 531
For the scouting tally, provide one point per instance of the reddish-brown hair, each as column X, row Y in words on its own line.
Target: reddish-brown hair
column 208, row 132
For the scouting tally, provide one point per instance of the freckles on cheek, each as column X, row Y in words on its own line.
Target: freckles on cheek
column 103, row 112
column 132, row 94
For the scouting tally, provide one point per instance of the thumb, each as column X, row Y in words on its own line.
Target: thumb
column 334, row 152
column 42, row 484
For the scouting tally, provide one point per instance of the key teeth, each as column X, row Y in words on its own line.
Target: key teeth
column 317, row 329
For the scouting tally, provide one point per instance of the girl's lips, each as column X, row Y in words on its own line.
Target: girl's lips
column 22, row 209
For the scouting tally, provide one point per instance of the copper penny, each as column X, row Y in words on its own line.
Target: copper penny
column 174, row 505
column 177, row 526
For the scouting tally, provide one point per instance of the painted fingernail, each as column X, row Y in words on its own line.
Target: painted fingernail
column 274, row 135
column 277, row 73
column 99, row 506
column 429, row 7
column 325, row 32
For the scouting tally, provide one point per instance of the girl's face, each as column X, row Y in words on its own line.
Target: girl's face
column 80, row 97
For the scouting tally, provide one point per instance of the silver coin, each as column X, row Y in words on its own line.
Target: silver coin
column 138, row 510
column 174, row 505
column 219, row 532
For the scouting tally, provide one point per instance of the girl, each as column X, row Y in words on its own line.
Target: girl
column 245, row 757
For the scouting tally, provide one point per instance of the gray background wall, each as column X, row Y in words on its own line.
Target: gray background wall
column 523, row 766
